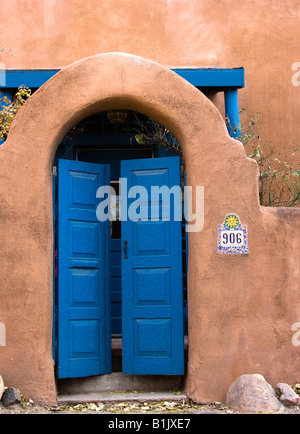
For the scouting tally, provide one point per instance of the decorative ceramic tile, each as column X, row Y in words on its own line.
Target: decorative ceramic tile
column 232, row 236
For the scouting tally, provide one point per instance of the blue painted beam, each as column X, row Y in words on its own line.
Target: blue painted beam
column 199, row 77
column 213, row 77
column 32, row 78
column 218, row 79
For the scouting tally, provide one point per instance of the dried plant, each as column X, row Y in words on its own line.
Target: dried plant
column 151, row 133
column 279, row 182
column 9, row 109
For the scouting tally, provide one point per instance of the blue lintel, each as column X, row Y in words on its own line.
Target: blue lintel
column 211, row 79
column 32, row 78
column 214, row 78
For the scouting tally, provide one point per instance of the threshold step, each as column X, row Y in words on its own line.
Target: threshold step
column 120, row 397
column 118, row 382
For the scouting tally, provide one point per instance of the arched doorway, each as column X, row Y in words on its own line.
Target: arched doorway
column 212, row 158
column 98, row 144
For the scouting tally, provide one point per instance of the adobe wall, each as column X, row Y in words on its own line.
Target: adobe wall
column 261, row 35
column 241, row 307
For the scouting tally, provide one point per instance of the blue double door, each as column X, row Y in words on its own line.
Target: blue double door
column 151, row 268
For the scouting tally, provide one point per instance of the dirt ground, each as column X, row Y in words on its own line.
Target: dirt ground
column 130, row 407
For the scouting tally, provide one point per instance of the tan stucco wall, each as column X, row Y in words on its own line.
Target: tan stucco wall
column 261, row 35
column 241, row 308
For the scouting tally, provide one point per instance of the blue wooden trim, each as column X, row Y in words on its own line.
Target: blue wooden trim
column 218, row 79
column 200, row 77
column 32, row 78
column 213, row 77
column 232, row 112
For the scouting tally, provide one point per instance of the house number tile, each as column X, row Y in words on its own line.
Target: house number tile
column 232, row 236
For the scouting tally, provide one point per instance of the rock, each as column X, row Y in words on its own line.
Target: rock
column 250, row 393
column 1, row 387
column 11, row 396
column 288, row 397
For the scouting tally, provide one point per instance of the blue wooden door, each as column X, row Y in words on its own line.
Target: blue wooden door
column 84, row 338
column 152, row 301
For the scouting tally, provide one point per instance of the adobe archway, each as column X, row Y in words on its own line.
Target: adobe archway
column 213, row 160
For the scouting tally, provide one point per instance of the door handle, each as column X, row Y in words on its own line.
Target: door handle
column 125, row 249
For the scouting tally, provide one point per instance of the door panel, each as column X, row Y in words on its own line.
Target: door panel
column 84, row 341
column 152, row 304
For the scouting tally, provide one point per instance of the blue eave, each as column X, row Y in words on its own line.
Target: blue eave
column 217, row 78
column 206, row 79
column 32, row 78
column 213, row 78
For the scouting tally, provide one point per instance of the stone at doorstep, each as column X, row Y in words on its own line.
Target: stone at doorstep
column 11, row 396
column 288, row 396
column 250, row 393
